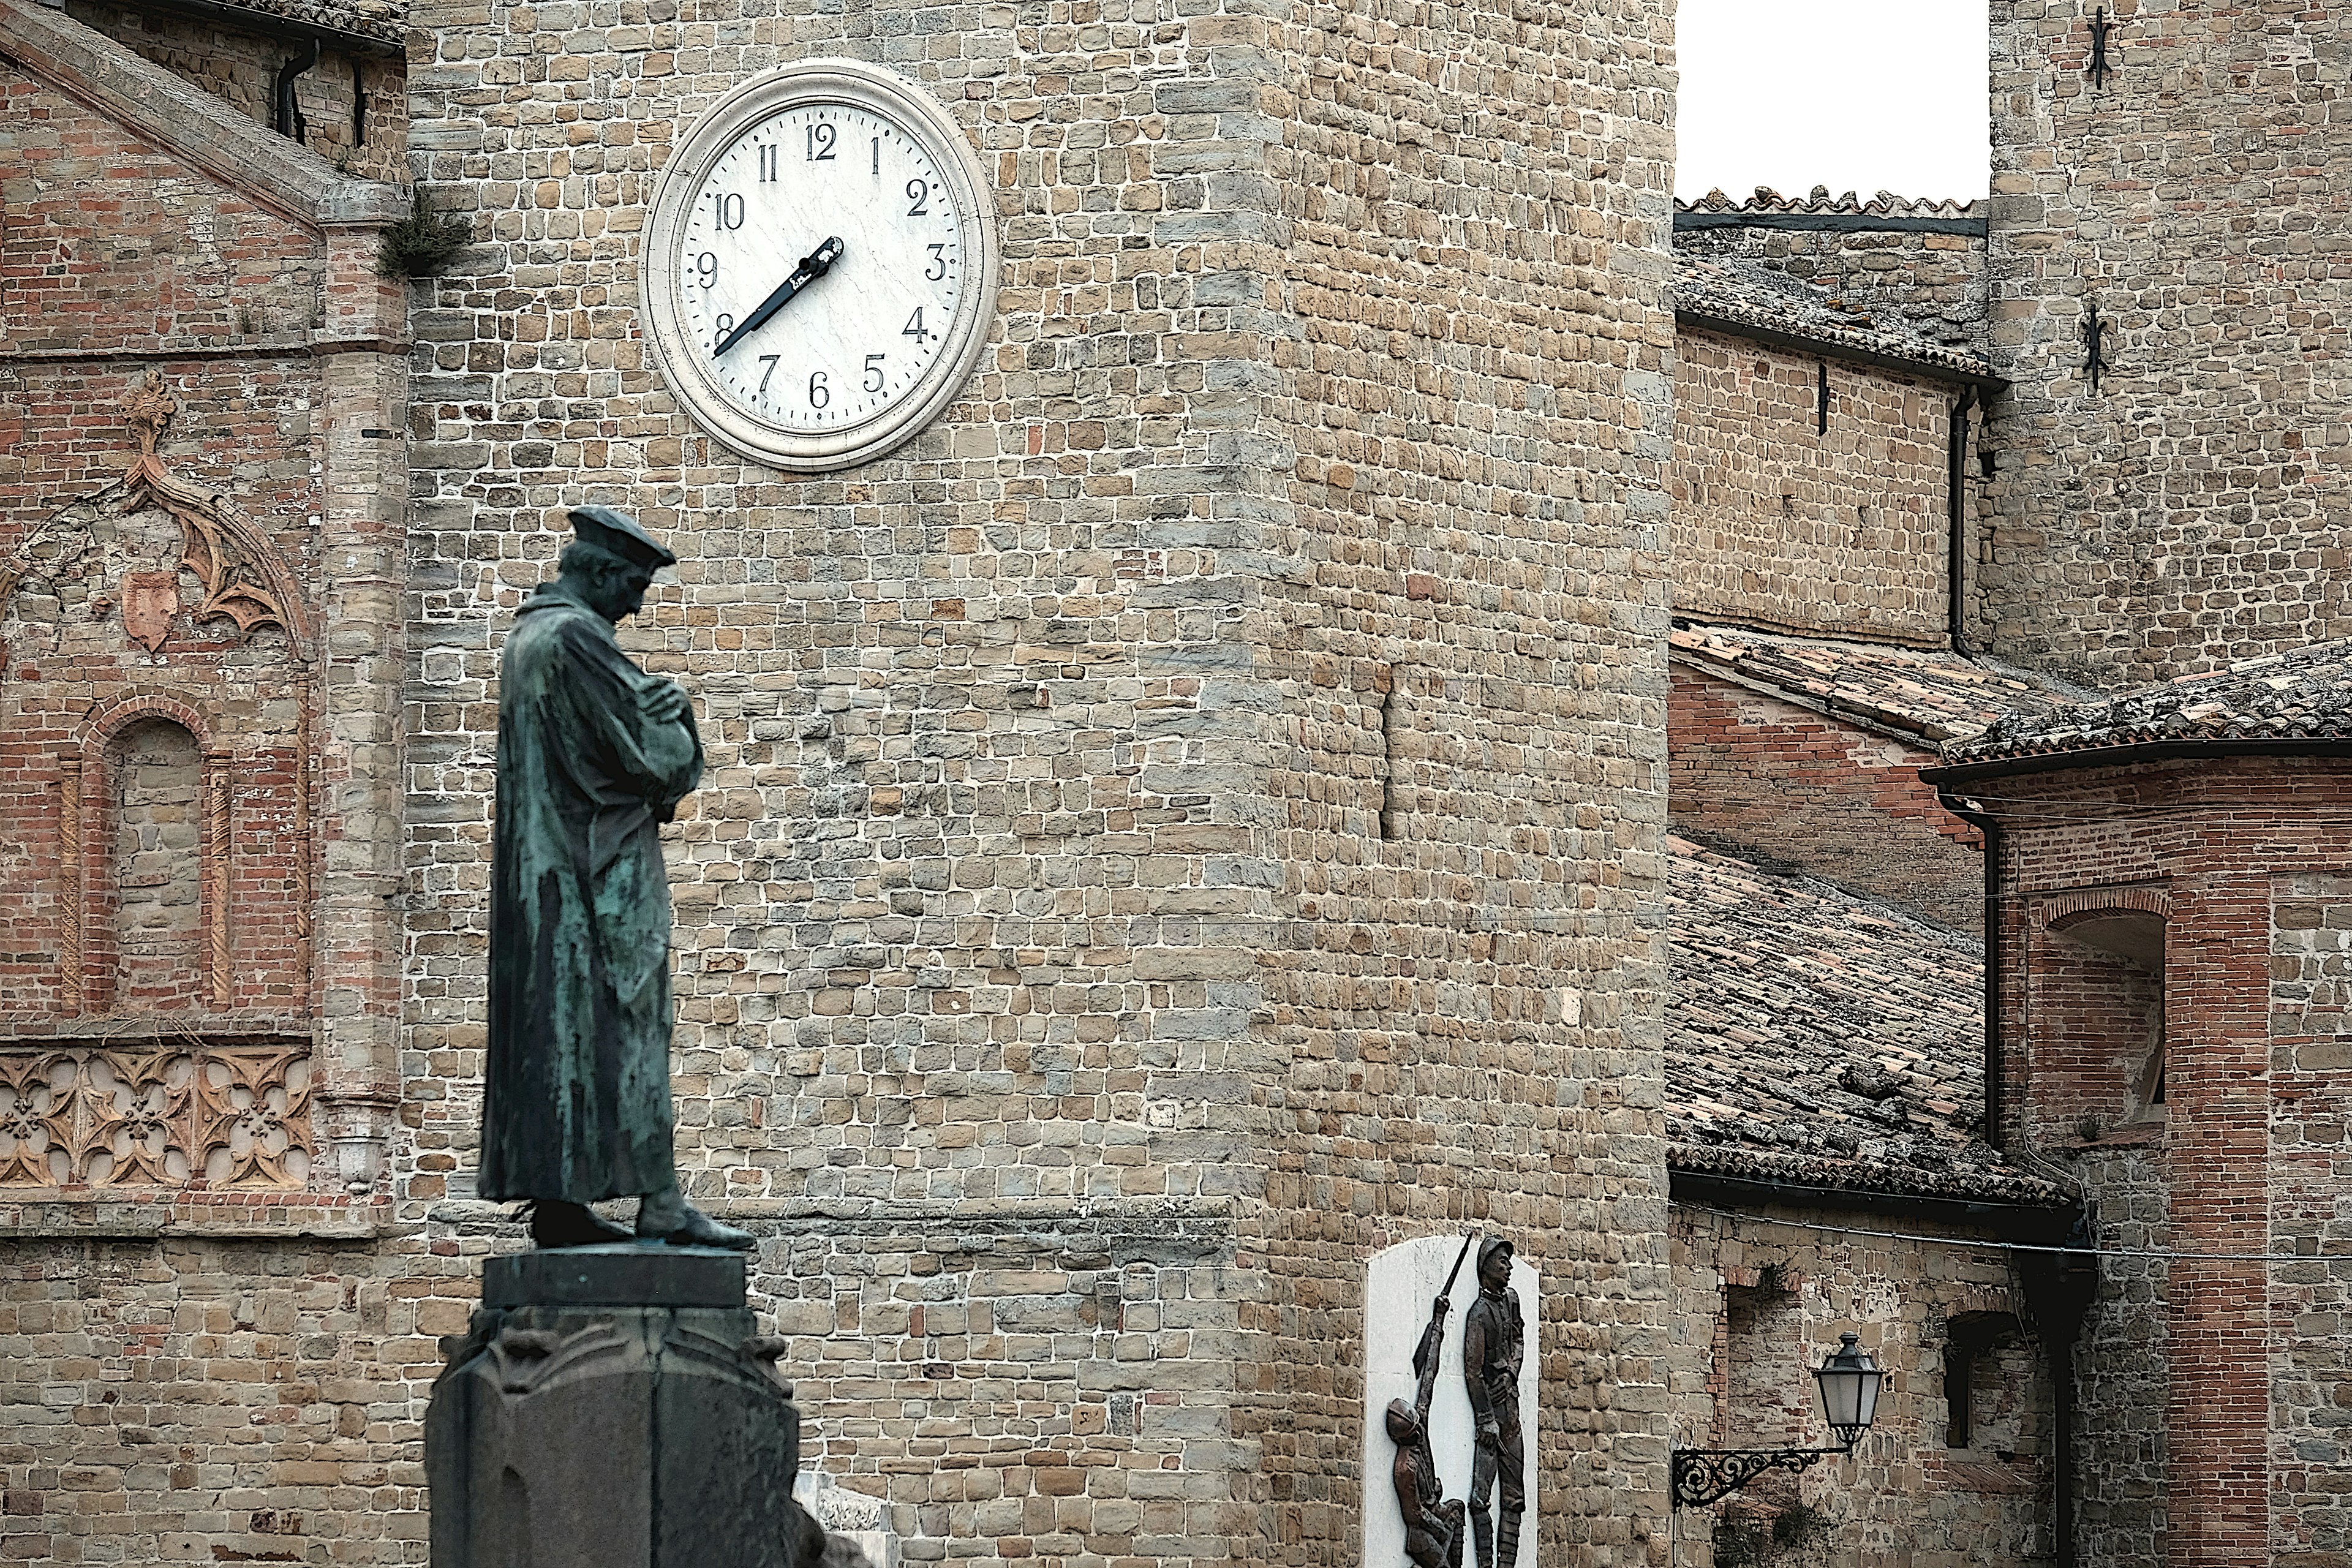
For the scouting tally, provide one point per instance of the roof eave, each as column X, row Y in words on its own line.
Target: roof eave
column 2014, row 1218
column 1801, row 343
column 1958, row 775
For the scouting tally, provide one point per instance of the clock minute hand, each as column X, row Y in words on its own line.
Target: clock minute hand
column 812, row 265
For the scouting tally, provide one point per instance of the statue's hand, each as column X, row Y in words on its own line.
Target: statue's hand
column 1489, row 1435
column 668, row 703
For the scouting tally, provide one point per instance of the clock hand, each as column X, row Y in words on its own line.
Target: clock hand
column 813, row 265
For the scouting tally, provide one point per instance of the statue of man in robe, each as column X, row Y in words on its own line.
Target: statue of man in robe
column 594, row 755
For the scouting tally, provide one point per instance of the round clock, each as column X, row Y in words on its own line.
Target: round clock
column 821, row 270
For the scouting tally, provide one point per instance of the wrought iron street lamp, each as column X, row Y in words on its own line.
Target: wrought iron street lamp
column 1849, row 1383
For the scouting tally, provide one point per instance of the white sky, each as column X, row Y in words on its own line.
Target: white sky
column 1860, row 95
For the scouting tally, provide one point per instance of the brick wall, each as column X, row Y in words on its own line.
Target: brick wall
column 1907, row 1497
column 189, row 263
column 190, row 372
column 2191, row 511
column 1781, row 524
column 239, row 67
column 1780, row 781
column 2236, row 858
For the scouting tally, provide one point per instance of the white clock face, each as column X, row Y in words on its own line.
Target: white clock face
column 844, row 346
column 821, row 269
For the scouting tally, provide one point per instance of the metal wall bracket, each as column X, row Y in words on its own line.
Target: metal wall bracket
column 1702, row 1475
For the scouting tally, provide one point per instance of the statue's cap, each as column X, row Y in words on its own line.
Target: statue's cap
column 611, row 530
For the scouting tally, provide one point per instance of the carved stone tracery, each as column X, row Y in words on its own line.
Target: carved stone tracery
column 155, row 1113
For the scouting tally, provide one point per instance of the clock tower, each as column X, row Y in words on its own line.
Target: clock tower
column 1185, row 756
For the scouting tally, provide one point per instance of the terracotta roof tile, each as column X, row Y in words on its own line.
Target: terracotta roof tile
column 379, row 19
column 2303, row 694
column 1821, row 1038
column 1746, row 294
column 1933, row 693
column 1886, row 203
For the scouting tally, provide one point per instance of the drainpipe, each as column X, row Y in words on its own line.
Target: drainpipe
column 1989, row 826
column 288, row 119
column 2059, row 1289
column 1956, row 497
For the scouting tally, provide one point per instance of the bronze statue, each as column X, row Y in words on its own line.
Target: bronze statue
column 1493, row 1344
column 1432, row 1521
column 594, row 755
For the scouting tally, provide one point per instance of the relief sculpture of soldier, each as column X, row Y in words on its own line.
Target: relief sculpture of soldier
column 1433, row 1527
column 594, row 755
column 1493, row 1345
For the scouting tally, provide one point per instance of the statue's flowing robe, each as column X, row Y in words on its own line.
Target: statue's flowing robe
column 576, row 1102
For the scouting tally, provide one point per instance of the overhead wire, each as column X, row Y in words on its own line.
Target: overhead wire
column 2166, row 1254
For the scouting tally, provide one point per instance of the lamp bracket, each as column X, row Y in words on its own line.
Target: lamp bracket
column 1702, row 1475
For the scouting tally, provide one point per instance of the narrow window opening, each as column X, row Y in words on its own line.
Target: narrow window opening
column 1959, row 1373
column 1387, row 705
column 1821, row 398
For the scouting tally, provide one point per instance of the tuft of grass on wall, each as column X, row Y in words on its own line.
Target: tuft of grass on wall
column 423, row 242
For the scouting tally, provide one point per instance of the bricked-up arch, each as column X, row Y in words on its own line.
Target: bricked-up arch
column 2095, row 980
column 113, row 785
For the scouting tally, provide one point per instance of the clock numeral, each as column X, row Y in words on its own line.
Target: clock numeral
column 771, row 362
column 920, row 192
column 706, row 269
column 730, row 208
column 939, row 266
column 820, row 143
column 768, row 160
column 819, row 394
column 878, row 155
column 874, row 373
column 725, row 324
column 915, row 328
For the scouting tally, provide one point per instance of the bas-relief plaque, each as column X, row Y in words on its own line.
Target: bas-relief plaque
column 1401, row 1285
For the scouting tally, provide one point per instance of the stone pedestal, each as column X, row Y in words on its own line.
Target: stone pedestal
column 612, row 1407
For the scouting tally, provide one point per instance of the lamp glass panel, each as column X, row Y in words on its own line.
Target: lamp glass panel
column 1843, row 1398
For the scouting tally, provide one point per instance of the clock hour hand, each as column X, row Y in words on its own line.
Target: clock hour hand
column 813, row 265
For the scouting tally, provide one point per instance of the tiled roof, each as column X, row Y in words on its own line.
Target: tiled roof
column 1736, row 295
column 1886, row 203
column 378, row 20
column 2305, row 694
column 1933, row 693
column 1821, row 1038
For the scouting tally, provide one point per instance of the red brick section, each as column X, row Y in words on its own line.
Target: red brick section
column 1841, row 802
column 93, row 257
column 2218, row 836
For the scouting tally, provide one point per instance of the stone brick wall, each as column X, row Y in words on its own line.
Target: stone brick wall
column 2191, row 511
column 1778, row 523
column 1465, row 629
column 2233, row 857
column 1797, row 787
column 1757, row 1307
column 1031, row 888
column 2311, row 1374
column 355, row 105
column 1934, row 281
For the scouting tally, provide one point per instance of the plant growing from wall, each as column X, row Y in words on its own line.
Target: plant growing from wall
column 1753, row 1541
column 423, row 242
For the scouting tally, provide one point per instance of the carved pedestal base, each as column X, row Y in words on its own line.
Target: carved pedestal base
column 611, row 1408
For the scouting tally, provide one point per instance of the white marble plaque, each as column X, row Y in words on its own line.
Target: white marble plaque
column 1401, row 1285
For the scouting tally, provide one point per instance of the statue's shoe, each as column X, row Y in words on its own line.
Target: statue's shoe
column 554, row 1223
column 677, row 1223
